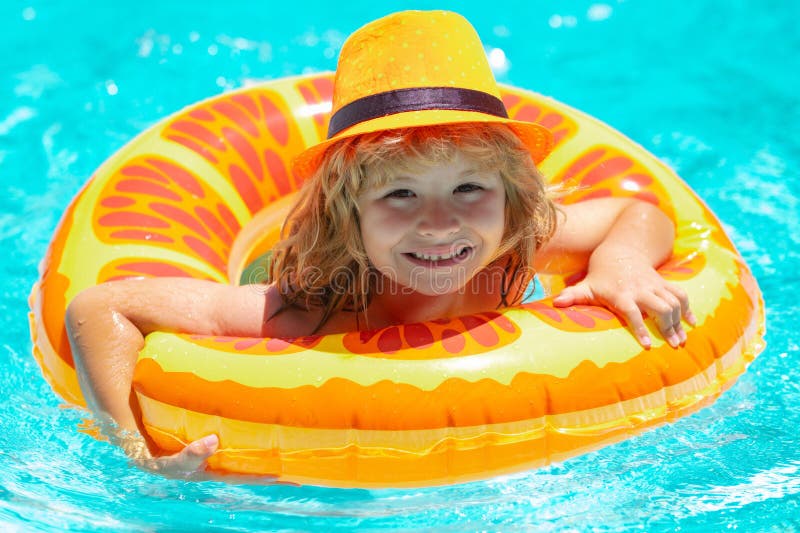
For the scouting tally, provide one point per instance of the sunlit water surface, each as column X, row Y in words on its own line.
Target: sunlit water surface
column 710, row 87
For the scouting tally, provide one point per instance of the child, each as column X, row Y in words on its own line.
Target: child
column 424, row 202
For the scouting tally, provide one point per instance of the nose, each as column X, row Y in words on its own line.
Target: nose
column 438, row 220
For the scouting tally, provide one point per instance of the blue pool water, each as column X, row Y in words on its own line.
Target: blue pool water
column 708, row 86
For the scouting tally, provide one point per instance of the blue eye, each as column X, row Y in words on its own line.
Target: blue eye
column 400, row 193
column 468, row 187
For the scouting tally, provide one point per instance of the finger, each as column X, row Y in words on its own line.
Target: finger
column 579, row 294
column 565, row 298
column 678, row 298
column 677, row 327
column 664, row 308
column 633, row 316
column 200, row 450
column 191, row 458
column 669, row 331
column 688, row 316
column 683, row 298
column 674, row 302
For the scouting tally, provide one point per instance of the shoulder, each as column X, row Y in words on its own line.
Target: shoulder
column 258, row 310
column 281, row 320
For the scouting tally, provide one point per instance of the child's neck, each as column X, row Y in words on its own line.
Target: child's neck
column 401, row 306
column 385, row 310
column 394, row 307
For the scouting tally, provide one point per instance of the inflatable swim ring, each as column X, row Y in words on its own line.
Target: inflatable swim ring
column 202, row 194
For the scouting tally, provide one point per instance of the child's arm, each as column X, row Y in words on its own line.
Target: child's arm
column 619, row 242
column 106, row 326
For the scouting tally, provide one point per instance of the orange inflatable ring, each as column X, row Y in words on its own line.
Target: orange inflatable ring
column 203, row 193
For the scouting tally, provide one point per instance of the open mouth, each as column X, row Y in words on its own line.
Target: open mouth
column 434, row 260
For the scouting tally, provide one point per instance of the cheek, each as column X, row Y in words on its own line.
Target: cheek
column 379, row 229
column 385, row 221
column 369, row 237
column 489, row 216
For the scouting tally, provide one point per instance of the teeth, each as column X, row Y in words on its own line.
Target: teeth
column 434, row 257
column 427, row 257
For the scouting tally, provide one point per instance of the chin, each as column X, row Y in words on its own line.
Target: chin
column 436, row 286
column 403, row 281
column 435, row 291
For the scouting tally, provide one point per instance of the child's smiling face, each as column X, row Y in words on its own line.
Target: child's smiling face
column 434, row 228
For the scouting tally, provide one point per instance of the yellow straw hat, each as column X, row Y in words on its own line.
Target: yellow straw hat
column 415, row 68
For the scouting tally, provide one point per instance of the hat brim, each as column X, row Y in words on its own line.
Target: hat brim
column 537, row 138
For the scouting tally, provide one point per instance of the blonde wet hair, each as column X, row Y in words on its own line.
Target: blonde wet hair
column 320, row 261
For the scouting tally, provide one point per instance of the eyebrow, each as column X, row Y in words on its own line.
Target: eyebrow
column 480, row 174
column 477, row 172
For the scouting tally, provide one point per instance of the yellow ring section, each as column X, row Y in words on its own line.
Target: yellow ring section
column 203, row 193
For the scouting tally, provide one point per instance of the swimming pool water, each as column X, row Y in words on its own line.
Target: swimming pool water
column 710, row 87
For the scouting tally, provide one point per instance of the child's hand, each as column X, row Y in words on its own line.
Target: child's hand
column 630, row 287
column 189, row 463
